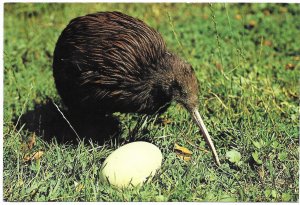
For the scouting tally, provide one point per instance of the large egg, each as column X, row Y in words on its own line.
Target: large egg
column 131, row 164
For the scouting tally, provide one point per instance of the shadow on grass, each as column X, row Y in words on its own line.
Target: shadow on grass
column 46, row 121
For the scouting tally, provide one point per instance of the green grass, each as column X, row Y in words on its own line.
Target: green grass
column 248, row 95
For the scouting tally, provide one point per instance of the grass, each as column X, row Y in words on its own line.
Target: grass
column 246, row 57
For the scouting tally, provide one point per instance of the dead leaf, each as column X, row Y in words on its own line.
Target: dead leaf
column 267, row 43
column 26, row 159
column 182, row 149
column 252, row 23
column 37, row 155
column 166, row 121
column 238, row 17
column 182, row 152
column 290, row 66
column 31, row 141
column 185, row 158
column 29, row 144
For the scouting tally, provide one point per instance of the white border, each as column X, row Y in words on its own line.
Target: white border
column 1, row 96
column 157, row 1
column 96, row 1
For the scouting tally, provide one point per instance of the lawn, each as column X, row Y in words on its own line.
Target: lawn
column 246, row 58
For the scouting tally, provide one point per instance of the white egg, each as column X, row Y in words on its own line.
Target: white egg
column 131, row 164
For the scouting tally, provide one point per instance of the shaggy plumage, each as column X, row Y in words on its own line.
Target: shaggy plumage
column 110, row 62
column 110, row 57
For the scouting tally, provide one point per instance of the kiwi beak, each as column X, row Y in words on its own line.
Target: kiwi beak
column 197, row 118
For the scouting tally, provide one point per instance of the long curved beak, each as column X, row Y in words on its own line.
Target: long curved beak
column 197, row 118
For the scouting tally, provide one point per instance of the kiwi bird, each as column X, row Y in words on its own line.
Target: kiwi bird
column 110, row 62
